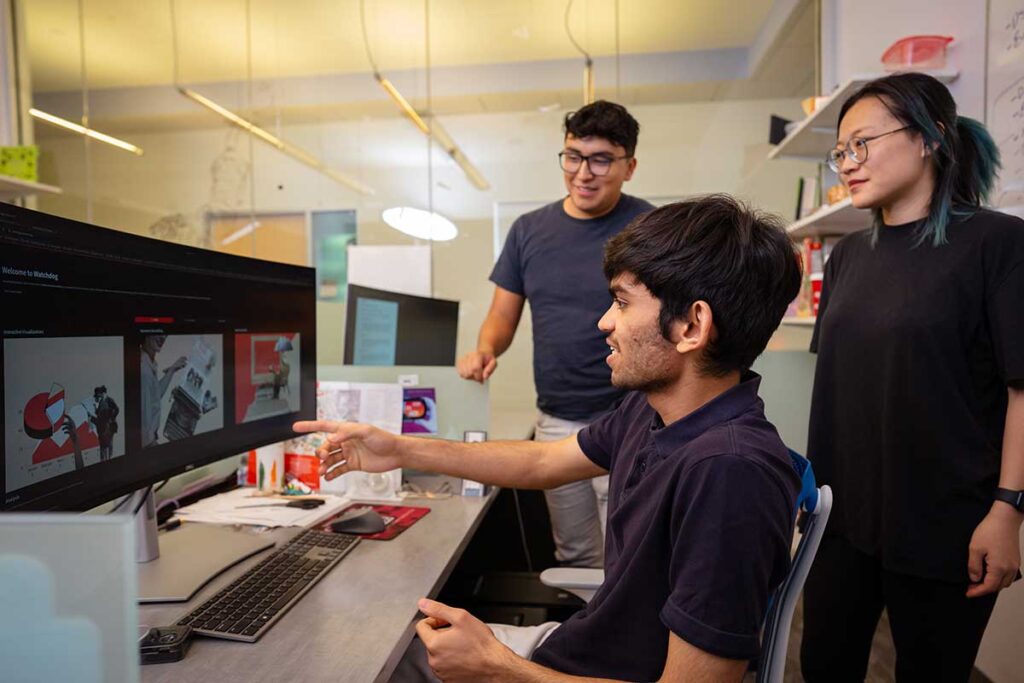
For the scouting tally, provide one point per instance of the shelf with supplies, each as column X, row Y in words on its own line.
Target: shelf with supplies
column 13, row 188
column 840, row 218
column 798, row 321
column 813, row 136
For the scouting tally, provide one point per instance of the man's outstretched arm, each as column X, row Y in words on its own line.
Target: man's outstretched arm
column 460, row 648
column 520, row 464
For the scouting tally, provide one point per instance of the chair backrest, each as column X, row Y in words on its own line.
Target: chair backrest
column 813, row 516
column 807, row 499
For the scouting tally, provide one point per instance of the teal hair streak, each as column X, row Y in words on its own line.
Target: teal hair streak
column 967, row 163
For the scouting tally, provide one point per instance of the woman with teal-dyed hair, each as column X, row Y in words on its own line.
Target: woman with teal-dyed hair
column 917, row 415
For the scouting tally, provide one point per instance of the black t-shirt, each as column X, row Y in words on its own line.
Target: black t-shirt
column 554, row 260
column 700, row 520
column 916, row 347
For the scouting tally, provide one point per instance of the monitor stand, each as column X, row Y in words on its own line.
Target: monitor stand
column 174, row 565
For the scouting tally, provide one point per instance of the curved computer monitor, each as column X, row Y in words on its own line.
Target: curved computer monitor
column 126, row 360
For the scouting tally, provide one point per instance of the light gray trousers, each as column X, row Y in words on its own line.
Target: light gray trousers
column 578, row 510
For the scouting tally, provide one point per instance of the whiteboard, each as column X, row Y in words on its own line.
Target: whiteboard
column 1004, row 106
column 402, row 269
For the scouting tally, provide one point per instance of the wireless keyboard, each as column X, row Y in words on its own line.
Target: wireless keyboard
column 249, row 606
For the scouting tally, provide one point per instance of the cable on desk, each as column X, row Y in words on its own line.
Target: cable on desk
column 522, row 531
column 120, row 504
column 145, row 497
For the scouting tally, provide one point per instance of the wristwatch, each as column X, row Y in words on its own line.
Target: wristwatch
column 1014, row 498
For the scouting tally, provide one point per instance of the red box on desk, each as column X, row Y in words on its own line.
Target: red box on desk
column 305, row 468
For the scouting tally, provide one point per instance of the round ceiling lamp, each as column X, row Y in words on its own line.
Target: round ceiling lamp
column 424, row 225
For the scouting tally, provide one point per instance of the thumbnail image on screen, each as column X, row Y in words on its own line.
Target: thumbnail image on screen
column 62, row 405
column 182, row 381
column 266, row 375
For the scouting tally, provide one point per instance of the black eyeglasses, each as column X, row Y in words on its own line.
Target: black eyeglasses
column 599, row 164
column 856, row 149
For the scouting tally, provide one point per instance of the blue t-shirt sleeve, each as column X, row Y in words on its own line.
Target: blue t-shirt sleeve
column 731, row 531
column 508, row 271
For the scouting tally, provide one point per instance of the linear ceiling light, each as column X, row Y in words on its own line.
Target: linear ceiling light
column 588, row 81
column 435, row 131
column 82, row 130
column 588, row 63
column 449, row 146
column 403, row 104
column 439, row 134
column 247, row 229
column 291, row 150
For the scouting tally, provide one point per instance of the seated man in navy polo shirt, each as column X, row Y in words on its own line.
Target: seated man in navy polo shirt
column 702, row 489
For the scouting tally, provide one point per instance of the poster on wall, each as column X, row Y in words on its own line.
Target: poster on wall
column 333, row 232
column 419, row 411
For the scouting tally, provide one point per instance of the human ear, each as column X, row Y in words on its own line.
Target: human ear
column 630, row 167
column 694, row 331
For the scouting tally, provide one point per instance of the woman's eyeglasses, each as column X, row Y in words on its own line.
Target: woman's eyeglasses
column 856, row 149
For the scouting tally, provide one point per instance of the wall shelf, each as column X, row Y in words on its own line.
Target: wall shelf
column 813, row 136
column 798, row 322
column 840, row 218
column 13, row 188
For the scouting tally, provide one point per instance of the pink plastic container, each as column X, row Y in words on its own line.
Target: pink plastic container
column 916, row 52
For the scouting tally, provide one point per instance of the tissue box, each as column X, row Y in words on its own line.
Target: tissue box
column 20, row 162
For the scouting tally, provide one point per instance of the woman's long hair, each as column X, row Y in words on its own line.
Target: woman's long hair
column 965, row 157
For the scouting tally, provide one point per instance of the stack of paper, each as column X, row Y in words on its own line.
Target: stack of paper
column 233, row 508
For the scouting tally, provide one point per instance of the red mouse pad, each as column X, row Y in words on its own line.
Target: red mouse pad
column 397, row 517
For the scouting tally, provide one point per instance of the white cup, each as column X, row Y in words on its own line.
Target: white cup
column 270, row 467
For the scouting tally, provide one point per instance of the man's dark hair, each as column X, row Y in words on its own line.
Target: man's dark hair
column 99, row 390
column 603, row 119
column 740, row 261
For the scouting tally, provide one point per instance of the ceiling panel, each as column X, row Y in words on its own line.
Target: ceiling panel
column 128, row 43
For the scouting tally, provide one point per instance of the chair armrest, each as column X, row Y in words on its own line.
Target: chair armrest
column 572, row 577
column 580, row 582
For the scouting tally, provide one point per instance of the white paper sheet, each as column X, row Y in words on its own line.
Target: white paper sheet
column 227, row 508
column 375, row 404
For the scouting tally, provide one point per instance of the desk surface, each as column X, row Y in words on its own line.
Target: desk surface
column 354, row 625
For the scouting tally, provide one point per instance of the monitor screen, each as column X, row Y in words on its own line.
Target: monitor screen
column 126, row 360
column 387, row 328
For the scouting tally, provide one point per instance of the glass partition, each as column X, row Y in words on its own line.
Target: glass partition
column 283, row 130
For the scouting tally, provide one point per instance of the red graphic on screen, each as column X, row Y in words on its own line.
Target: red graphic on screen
column 263, row 363
column 38, row 424
column 264, row 358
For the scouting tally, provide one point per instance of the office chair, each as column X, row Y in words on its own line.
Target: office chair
column 813, row 508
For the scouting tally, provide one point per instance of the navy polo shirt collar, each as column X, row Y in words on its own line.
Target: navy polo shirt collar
column 726, row 406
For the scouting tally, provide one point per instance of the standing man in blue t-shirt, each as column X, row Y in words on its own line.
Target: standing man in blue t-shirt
column 552, row 258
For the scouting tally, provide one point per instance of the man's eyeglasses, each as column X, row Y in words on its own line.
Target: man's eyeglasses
column 599, row 164
column 856, row 149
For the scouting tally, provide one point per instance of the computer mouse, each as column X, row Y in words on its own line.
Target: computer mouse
column 359, row 521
